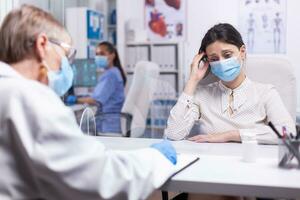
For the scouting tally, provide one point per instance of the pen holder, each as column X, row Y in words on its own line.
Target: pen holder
column 289, row 153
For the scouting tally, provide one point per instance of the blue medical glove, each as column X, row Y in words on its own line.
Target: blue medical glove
column 167, row 149
column 70, row 100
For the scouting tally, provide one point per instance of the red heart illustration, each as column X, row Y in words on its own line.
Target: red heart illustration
column 159, row 27
column 173, row 3
column 150, row 2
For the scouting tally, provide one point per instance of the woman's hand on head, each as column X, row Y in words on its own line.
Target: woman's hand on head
column 198, row 72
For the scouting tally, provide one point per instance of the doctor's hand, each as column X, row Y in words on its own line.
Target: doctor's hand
column 228, row 136
column 71, row 100
column 167, row 149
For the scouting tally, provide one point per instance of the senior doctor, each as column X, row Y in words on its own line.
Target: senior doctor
column 43, row 153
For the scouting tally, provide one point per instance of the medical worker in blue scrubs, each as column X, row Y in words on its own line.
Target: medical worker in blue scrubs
column 108, row 94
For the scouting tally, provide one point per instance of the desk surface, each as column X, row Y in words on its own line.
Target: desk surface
column 221, row 170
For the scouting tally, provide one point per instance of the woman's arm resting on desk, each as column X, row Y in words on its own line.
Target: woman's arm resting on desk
column 228, row 136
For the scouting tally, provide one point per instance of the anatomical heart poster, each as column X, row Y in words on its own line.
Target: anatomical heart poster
column 165, row 20
column 263, row 25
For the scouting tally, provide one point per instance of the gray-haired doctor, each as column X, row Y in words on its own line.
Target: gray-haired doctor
column 43, row 153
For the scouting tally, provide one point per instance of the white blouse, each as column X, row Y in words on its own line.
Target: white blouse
column 252, row 106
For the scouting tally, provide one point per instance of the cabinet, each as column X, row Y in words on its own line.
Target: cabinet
column 111, row 21
column 86, row 27
column 166, row 55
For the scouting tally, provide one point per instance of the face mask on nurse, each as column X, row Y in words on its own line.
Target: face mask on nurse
column 101, row 61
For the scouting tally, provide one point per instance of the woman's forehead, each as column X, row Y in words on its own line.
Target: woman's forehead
column 102, row 49
column 220, row 46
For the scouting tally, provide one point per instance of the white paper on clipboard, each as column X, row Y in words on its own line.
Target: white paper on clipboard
column 183, row 162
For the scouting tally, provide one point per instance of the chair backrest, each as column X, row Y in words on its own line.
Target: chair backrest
column 140, row 95
column 274, row 70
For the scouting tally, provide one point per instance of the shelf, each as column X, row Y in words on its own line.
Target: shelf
column 161, row 72
column 152, row 43
column 165, row 54
column 169, row 72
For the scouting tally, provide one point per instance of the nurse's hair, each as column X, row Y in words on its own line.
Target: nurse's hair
column 116, row 62
column 20, row 29
column 222, row 32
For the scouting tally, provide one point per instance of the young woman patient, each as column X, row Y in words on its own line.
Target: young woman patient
column 234, row 107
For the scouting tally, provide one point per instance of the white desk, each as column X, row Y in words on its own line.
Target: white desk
column 220, row 170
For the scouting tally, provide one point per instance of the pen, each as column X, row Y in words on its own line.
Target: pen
column 297, row 132
column 274, row 129
column 284, row 134
column 287, row 143
column 297, row 135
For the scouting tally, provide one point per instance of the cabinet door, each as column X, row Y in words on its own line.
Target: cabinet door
column 135, row 53
column 165, row 55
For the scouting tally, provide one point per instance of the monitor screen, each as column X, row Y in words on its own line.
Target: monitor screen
column 85, row 74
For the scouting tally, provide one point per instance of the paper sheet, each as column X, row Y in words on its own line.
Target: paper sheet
column 183, row 162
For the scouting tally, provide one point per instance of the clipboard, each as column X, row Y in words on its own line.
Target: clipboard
column 191, row 159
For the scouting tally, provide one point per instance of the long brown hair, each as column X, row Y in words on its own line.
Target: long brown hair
column 117, row 63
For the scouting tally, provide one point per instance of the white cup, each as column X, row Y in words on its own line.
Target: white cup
column 249, row 148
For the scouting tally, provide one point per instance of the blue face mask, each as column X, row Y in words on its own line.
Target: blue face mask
column 62, row 80
column 226, row 70
column 101, row 62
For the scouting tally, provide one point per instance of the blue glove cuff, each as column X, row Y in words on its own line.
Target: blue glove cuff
column 71, row 100
column 166, row 148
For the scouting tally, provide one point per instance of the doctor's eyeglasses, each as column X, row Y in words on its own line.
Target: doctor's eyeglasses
column 71, row 51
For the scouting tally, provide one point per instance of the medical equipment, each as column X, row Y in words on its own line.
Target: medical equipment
column 88, row 122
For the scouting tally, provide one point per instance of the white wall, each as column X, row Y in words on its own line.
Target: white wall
column 126, row 11
column 201, row 15
column 5, row 7
column 293, row 42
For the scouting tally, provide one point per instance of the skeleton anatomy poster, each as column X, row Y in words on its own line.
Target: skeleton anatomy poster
column 165, row 19
column 263, row 25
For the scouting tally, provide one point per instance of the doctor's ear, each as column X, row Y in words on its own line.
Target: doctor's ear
column 41, row 46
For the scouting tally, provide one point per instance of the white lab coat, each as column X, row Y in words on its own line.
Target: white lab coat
column 43, row 153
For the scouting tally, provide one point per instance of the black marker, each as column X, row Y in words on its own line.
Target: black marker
column 274, row 129
column 287, row 143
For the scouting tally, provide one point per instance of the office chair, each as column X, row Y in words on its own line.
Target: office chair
column 138, row 100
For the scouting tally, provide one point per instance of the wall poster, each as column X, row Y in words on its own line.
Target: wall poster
column 165, row 19
column 263, row 25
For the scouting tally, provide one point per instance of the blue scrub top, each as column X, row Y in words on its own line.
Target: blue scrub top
column 109, row 91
